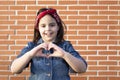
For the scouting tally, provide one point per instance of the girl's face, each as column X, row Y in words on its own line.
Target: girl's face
column 48, row 28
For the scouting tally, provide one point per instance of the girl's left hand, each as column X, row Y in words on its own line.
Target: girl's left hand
column 57, row 51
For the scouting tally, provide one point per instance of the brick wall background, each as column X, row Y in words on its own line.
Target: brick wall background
column 93, row 28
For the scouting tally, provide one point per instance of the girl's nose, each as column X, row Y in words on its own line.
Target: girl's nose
column 47, row 28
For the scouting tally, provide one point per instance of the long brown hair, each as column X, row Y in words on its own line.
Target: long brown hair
column 60, row 34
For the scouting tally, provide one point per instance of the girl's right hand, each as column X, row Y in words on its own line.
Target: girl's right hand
column 37, row 51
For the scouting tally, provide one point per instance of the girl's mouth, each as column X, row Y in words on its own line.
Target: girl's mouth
column 48, row 33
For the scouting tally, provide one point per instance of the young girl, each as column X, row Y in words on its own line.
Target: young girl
column 51, row 57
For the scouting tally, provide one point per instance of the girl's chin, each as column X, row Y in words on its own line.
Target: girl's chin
column 48, row 40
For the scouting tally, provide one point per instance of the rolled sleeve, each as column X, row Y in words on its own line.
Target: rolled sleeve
column 26, row 49
column 72, row 51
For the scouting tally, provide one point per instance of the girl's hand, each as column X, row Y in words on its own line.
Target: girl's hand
column 57, row 51
column 38, row 50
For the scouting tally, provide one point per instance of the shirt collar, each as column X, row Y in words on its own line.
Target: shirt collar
column 40, row 41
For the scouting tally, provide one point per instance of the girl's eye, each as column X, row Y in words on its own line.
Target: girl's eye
column 42, row 26
column 52, row 25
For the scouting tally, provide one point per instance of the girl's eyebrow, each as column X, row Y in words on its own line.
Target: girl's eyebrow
column 52, row 23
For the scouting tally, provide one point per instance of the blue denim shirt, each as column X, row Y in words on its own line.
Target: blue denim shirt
column 53, row 68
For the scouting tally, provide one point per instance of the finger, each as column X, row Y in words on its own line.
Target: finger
column 51, row 45
column 44, row 46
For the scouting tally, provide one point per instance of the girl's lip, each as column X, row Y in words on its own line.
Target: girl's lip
column 49, row 33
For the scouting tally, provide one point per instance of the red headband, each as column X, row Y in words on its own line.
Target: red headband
column 42, row 14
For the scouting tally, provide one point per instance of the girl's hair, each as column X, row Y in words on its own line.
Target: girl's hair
column 60, row 34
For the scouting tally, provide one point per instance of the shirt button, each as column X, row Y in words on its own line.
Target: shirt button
column 48, row 64
column 48, row 74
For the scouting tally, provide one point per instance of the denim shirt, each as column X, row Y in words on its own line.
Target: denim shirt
column 53, row 68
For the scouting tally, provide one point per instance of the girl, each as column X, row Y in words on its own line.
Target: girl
column 51, row 57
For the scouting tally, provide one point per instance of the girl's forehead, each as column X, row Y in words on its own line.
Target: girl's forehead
column 47, row 19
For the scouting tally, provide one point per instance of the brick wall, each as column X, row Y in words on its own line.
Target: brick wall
column 93, row 28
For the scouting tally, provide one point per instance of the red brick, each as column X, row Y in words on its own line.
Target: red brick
column 107, row 63
column 3, row 78
column 47, row 2
column 87, row 22
column 3, row 68
column 16, row 47
column 17, row 7
column 97, row 37
column 7, row 52
column 58, row 7
column 114, row 78
column 77, row 27
column 114, row 37
column 92, row 62
column 77, row 37
column 108, row 2
column 87, row 42
column 26, row 13
column 7, row 42
column 88, row 12
column 97, row 58
column 108, row 12
column 88, row 53
column 114, row 7
column 77, row 7
column 7, row 2
column 35, row 7
column 98, row 27
column 3, row 7
column 78, row 78
column 114, row 68
column 114, row 57
column 26, row 2
column 77, row 17
column 16, row 37
column 108, row 32
column 97, row 78
column 17, row 78
column 7, row 13
column 3, row 17
column 114, row 47
column 67, row 2
column 107, row 52
column 107, row 42
column 97, row 47
column 108, row 22
column 87, row 32
column 4, row 58
column 87, row 2
column 68, row 12
column 98, row 17
column 97, row 68
column 17, row 17
column 98, row 7
column 7, row 22
column 108, row 73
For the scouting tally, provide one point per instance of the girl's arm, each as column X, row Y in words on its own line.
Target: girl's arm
column 76, row 64
column 19, row 64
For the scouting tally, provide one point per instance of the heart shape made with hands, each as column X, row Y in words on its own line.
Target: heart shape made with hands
column 51, row 50
column 46, row 51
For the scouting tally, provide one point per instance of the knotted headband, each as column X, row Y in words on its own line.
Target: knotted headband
column 42, row 14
